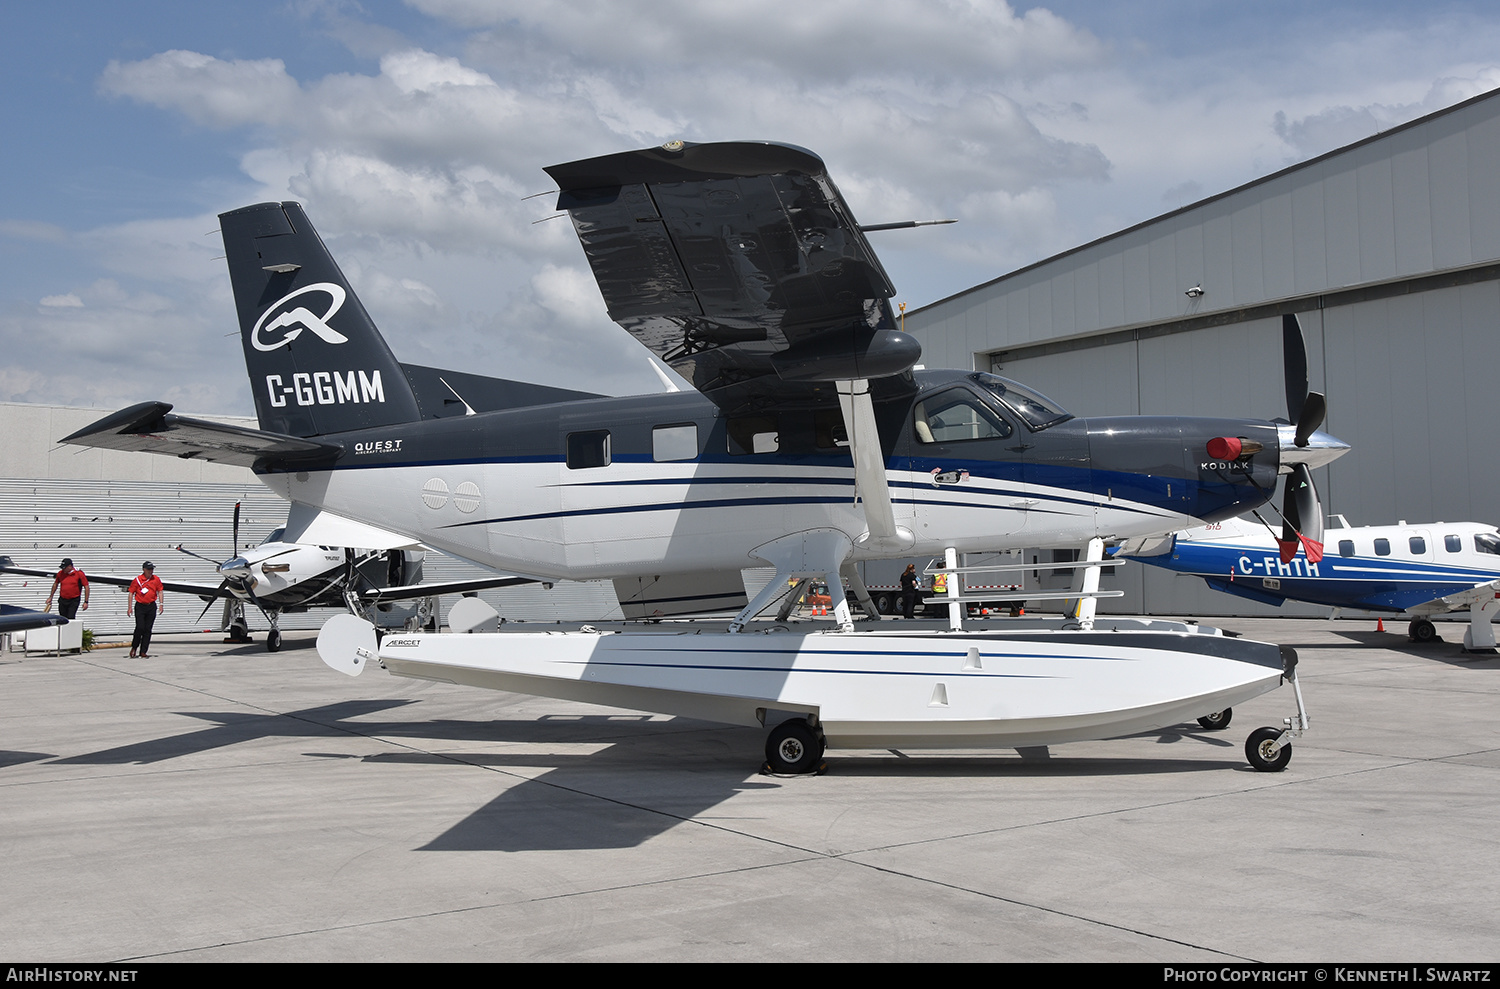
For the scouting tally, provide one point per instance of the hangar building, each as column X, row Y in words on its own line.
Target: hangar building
column 1388, row 250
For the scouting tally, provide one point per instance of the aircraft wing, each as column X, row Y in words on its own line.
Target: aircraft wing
column 7, row 565
column 1459, row 599
column 17, row 619
column 739, row 265
column 437, row 590
column 150, row 427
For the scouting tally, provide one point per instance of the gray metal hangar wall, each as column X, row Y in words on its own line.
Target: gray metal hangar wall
column 1388, row 250
column 110, row 510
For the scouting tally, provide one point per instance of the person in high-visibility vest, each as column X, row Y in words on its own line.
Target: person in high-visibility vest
column 940, row 583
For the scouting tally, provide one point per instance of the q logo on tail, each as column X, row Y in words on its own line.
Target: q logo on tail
column 294, row 321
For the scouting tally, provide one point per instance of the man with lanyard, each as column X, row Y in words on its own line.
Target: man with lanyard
column 146, row 595
column 70, row 585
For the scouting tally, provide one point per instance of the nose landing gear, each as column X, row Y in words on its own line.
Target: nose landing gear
column 1270, row 749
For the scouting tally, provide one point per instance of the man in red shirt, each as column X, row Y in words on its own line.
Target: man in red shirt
column 146, row 595
column 70, row 586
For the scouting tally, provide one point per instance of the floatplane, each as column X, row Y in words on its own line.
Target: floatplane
column 811, row 441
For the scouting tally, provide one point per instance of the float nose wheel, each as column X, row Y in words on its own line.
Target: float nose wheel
column 1266, row 750
column 794, row 747
column 1270, row 749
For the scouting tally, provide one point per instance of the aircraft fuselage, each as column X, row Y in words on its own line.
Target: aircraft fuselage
column 672, row 484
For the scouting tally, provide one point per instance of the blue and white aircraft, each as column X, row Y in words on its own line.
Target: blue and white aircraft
column 812, row 440
column 1416, row 570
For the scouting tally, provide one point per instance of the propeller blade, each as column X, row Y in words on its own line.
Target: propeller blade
column 1310, row 511
column 235, row 549
column 1291, row 522
column 1294, row 359
column 195, row 555
column 1302, row 516
column 210, row 604
column 1311, row 417
column 250, row 590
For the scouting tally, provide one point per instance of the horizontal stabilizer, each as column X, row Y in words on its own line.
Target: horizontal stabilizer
column 151, row 428
column 17, row 619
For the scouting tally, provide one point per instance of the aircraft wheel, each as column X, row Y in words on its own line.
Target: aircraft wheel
column 1422, row 630
column 884, row 604
column 1258, row 749
column 273, row 640
column 794, row 747
column 1217, row 721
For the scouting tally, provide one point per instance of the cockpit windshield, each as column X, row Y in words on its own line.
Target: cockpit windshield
column 1486, row 542
column 275, row 536
column 1037, row 409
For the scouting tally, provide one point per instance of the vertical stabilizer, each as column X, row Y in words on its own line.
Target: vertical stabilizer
column 317, row 364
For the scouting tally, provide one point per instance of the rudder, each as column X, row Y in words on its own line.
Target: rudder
column 317, row 363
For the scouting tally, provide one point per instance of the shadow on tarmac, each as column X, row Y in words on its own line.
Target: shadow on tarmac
column 650, row 775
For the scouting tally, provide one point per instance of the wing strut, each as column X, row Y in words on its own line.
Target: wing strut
column 870, row 484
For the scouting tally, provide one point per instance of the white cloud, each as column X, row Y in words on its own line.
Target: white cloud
column 62, row 301
column 207, row 90
column 1035, row 132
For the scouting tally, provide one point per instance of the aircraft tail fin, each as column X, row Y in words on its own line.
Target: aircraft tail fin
column 317, row 363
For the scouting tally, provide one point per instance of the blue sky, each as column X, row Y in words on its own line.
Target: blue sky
column 412, row 132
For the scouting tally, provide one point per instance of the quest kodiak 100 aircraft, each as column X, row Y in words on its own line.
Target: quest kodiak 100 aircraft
column 810, row 442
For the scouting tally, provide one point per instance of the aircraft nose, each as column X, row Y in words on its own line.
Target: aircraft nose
column 237, row 567
column 1322, row 448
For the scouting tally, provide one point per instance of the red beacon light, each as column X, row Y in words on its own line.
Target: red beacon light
column 1232, row 447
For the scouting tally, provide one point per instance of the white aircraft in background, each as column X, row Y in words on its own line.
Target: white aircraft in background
column 278, row 576
column 811, row 441
column 1413, row 570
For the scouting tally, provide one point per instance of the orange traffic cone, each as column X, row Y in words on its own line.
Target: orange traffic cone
column 1380, row 624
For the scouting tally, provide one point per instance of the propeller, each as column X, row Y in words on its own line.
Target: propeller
column 246, row 584
column 1302, row 512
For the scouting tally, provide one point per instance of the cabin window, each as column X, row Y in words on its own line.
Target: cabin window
column 1453, row 544
column 955, row 416
column 679, row 442
column 1346, row 547
column 590, row 449
column 753, row 434
column 1382, row 547
column 1418, row 546
column 1486, row 542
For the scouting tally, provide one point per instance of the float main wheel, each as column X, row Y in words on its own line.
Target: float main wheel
column 794, row 747
column 1217, row 721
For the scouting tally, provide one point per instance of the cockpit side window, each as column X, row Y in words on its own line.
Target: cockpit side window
column 955, row 416
column 1037, row 410
column 1487, row 542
